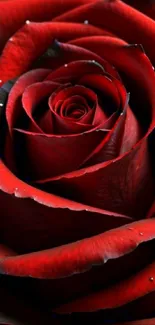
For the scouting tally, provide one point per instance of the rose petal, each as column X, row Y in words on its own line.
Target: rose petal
column 31, row 98
column 56, row 151
column 132, row 27
column 135, row 66
column 32, row 40
column 82, row 255
column 62, row 53
column 148, row 8
column 130, row 182
column 132, row 132
column 137, row 286
column 65, row 126
column 73, row 71
column 140, row 322
column 31, row 218
column 106, row 88
column 109, row 147
column 13, row 107
column 20, row 12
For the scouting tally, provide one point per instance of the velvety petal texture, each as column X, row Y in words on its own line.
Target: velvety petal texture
column 77, row 157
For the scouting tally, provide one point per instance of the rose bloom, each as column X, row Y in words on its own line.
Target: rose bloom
column 77, row 157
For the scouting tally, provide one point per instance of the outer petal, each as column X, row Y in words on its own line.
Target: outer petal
column 140, row 322
column 57, row 151
column 135, row 68
column 137, row 286
column 33, row 39
column 36, row 11
column 147, row 7
column 13, row 108
column 118, row 184
column 82, row 255
column 31, row 218
column 120, row 19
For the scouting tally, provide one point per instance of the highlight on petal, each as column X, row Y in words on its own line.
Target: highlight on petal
column 80, row 256
column 33, row 39
column 35, row 11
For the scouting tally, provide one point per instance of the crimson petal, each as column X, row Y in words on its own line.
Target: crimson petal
column 13, row 107
column 36, row 11
column 32, row 40
column 57, row 151
column 132, row 27
column 83, row 255
column 31, row 97
column 126, row 187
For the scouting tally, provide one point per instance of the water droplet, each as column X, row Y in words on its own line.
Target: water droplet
column 11, row 39
column 141, row 233
column 0, row 81
column 27, row 22
column 1, row 104
column 121, row 114
column 93, row 61
column 16, row 188
column 66, row 65
column 151, row 278
column 86, row 22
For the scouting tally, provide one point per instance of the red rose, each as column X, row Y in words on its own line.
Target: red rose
column 77, row 180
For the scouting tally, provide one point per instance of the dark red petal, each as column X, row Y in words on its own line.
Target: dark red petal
column 128, row 290
column 57, row 151
column 32, row 40
column 66, row 126
column 31, row 98
column 132, row 132
column 147, row 7
column 6, row 251
column 31, row 218
column 109, row 147
column 140, row 322
column 134, row 65
column 36, row 11
column 104, row 85
column 120, row 19
column 81, row 256
column 73, row 71
column 14, row 108
column 63, row 53
column 118, row 184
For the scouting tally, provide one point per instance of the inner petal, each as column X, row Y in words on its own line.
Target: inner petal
column 73, row 104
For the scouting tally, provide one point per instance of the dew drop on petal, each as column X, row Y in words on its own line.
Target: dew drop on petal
column 151, row 278
column 141, row 233
column 27, row 22
column 86, row 22
column 66, row 65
